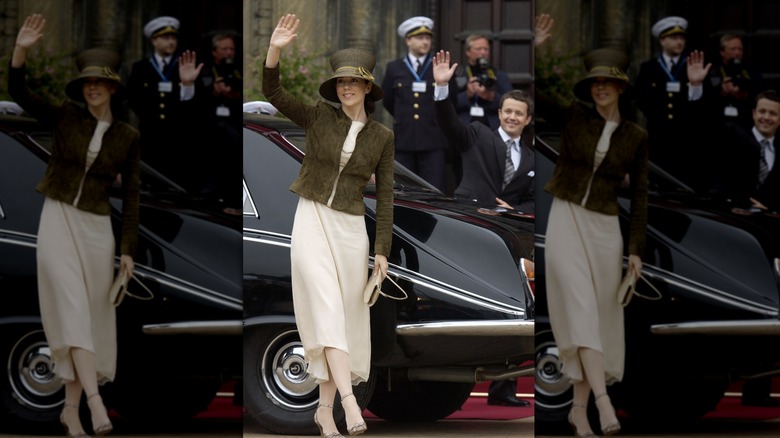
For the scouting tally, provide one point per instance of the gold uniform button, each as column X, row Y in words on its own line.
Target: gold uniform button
column 670, row 106
column 416, row 94
column 162, row 94
column 162, row 105
column 162, row 116
column 400, row 85
column 671, row 116
column 671, row 95
column 416, row 117
column 416, row 105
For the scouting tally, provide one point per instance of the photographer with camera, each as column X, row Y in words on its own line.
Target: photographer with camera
column 220, row 86
column 733, row 85
column 480, row 84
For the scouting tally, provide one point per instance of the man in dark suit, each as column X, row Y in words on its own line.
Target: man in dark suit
column 497, row 167
column 752, row 175
column 671, row 105
column 420, row 145
column 157, row 87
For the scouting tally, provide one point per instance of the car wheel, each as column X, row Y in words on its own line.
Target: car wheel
column 408, row 401
column 278, row 393
column 552, row 390
column 29, row 390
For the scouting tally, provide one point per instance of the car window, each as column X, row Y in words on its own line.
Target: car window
column 249, row 205
column 20, row 171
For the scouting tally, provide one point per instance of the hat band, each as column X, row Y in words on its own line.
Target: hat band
column 103, row 71
column 358, row 71
column 672, row 30
column 419, row 31
column 612, row 71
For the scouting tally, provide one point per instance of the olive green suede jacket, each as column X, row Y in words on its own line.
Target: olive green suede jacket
column 326, row 129
column 72, row 129
column 581, row 129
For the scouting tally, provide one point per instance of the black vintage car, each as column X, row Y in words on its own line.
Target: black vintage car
column 176, row 350
column 469, row 316
column 717, row 320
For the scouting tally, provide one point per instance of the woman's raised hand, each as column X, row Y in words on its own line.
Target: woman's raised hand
column 284, row 33
column 31, row 31
column 442, row 72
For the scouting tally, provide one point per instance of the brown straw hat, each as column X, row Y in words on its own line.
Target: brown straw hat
column 95, row 63
column 351, row 63
column 603, row 63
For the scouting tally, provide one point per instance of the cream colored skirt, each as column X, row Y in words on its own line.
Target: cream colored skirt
column 75, row 259
column 329, row 258
column 583, row 268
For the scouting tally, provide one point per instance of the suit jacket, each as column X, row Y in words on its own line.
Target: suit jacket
column 72, row 129
column 415, row 125
column 484, row 158
column 740, row 173
column 326, row 129
column 581, row 128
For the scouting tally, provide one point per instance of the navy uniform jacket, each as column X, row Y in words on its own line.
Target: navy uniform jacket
column 484, row 158
column 671, row 121
column 415, row 125
column 160, row 115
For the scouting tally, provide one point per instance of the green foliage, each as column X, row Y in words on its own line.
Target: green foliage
column 48, row 73
column 556, row 73
column 301, row 72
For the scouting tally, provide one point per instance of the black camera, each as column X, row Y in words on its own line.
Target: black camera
column 226, row 72
column 733, row 69
column 485, row 74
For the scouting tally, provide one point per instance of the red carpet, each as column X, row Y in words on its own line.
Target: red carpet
column 476, row 407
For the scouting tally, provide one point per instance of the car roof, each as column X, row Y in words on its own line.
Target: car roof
column 273, row 122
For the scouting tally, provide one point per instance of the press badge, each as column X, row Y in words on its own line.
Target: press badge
column 477, row 111
column 673, row 87
column 731, row 111
column 223, row 111
column 419, row 87
column 165, row 87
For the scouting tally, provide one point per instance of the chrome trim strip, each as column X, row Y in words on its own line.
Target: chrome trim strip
column 696, row 287
column 267, row 233
column 12, row 233
column 2, row 212
column 229, row 328
column 269, row 242
column 187, row 287
column 720, row 328
column 441, row 287
column 468, row 328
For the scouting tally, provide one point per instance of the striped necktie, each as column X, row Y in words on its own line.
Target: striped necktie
column 509, row 170
column 763, row 167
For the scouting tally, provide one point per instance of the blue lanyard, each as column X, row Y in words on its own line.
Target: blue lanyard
column 414, row 72
column 672, row 77
column 159, row 72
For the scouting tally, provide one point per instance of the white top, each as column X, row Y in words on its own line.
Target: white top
column 346, row 152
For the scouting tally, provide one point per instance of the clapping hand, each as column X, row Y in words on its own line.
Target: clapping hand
column 187, row 70
column 542, row 27
column 697, row 71
column 442, row 72
column 31, row 31
column 284, row 33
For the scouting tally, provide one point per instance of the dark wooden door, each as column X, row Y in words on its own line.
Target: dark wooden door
column 508, row 24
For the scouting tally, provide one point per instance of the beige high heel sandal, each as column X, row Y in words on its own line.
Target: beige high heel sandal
column 574, row 426
column 65, row 425
column 319, row 426
column 357, row 428
column 101, row 429
column 613, row 428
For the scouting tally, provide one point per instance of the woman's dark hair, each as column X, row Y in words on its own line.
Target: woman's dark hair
column 369, row 105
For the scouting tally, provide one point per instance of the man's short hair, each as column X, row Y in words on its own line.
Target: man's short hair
column 767, row 94
column 473, row 37
column 219, row 37
column 728, row 37
column 520, row 96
